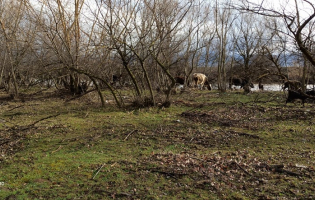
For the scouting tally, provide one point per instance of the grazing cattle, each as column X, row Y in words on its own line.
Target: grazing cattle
column 260, row 86
column 310, row 92
column 201, row 80
column 292, row 85
column 180, row 80
column 83, row 86
column 295, row 95
column 116, row 80
column 240, row 82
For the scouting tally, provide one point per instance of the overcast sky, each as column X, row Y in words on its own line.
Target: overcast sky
column 287, row 5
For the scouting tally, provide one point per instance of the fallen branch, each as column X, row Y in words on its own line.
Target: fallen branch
column 279, row 169
column 98, row 170
column 244, row 134
column 130, row 134
column 171, row 174
column 122, row 194
column 79, row 96
column 23, row 128
column 38, row 92
column 15, row 108
column 5, row 142
column 33, row 124
column 246, row 172
column 57, row 149
column 287, row 172
column 274, row 167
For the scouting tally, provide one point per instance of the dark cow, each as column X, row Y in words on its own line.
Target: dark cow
column 201, row 80
column 292, row 85
column 310, row 92
column 83, row 86
column 295, row 95
column 240, row 82
column 260, row 86
column 180, row 80
column 116, row 78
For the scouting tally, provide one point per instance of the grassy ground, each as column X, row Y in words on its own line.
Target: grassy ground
column 207, row 145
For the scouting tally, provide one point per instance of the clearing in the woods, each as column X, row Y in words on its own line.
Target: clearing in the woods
column 207, row 145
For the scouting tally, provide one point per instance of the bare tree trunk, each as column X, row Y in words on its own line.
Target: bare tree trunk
column 222, row 27
column 2, row 69
column 12, row 69
column 304, row 74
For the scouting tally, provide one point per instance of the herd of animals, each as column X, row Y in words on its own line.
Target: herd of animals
column 201, row 82
column 294, row 87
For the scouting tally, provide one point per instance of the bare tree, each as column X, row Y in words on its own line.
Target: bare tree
column 66, row 46
column 296, row 19
column 147, row 38
column 248, row 39
column 60, row 33
column 223, row 25
column 166, row 47
column 274, row 49
column 200, row 35
column 17, row 40
column 116, row 20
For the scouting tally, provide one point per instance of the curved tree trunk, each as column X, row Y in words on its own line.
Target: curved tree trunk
column 93, row 78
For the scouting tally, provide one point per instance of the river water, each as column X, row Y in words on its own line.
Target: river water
column 267, row 87
column 276, row 87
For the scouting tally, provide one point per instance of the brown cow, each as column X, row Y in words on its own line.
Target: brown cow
column 201, row 80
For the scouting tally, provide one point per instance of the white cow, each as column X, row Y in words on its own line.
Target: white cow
column 201, row 80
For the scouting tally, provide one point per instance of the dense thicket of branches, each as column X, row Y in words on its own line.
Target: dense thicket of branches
column 145, row 44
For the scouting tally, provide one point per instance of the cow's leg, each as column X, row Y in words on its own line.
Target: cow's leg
column 195, row 83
